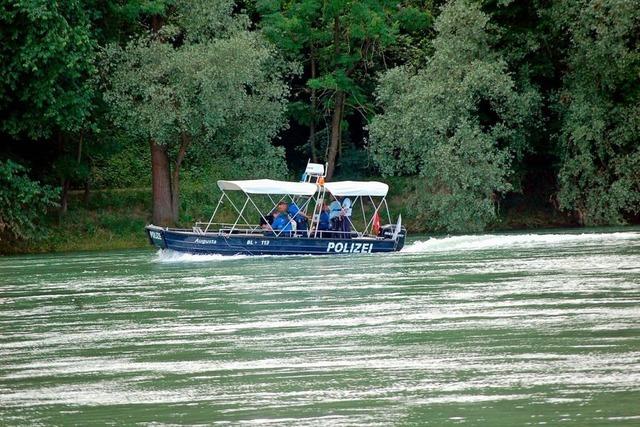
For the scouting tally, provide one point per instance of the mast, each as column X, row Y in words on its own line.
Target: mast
column 316, row 173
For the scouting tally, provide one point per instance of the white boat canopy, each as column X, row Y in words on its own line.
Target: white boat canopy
column 269, row 186
column 357, row 188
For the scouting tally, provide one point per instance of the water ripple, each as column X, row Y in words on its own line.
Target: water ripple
column 513, row 329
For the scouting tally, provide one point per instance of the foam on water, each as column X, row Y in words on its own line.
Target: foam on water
column 497, row 241
column 169, row 256
column 448, row 244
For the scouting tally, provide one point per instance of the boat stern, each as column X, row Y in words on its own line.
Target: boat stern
column 400, row 238
column 396, row 233
column 156, row 236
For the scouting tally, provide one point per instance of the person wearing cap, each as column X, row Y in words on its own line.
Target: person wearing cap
column 281, row 219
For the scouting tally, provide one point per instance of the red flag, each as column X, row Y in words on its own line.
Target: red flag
column 376, row 223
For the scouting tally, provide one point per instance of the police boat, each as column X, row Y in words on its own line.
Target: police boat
column 310, row 217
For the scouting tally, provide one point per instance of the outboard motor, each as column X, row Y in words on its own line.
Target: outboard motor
column 395, row 232
column 387, row 231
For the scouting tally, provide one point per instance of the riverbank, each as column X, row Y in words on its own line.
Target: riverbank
column 114, row 219
column 110, row 219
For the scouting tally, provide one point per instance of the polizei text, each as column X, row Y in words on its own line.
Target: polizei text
column 350, row 247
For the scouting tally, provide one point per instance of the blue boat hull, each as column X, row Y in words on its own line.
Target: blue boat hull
column 225, row 244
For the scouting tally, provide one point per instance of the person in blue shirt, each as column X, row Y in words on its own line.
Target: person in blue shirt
column 281, row 220
column 299, row 217
column 324, row 221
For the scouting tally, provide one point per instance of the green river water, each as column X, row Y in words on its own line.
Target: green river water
column 496, row 330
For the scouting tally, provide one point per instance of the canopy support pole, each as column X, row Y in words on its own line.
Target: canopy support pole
column 237, row 210
column 240, row 216
column 318, row 208
column 258, row 209
column 377, row 209
column 355, row 201
column 214, row 212
column 387, row 207
column 364, row 216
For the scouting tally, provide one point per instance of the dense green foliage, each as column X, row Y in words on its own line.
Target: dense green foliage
column 458, row 122
column 484, row 107
column 22, row 202
column 219, row 86
column 47, row 86
column 47, row 52
column 343, row 45
column 599, row 104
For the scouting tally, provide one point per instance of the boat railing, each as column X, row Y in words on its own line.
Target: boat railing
column 223, row 228
column 256, row 229
column 216, row 227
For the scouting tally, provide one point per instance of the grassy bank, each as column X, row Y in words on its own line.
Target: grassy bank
column 114, row 219
column 110, row 219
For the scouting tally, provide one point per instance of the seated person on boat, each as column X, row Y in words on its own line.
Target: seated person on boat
column 346, row 217
column 340, row 217
column 324, row 223
column 266, row 221
column 298, row 216
column 282, row 221
column 335, row 209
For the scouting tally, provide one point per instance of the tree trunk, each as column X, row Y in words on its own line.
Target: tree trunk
column 85, row 197
column 175, row 178
column 156, row 23
column 314, row 103
column 79, row 152
column 161, row 186
column 64, row 196
column 175, row 196
column 336, row 134
column 65, row 183
column 87, row 192
column 336, row 119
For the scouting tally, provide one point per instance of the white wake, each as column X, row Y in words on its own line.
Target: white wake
column 169, row 256
column 502, row 241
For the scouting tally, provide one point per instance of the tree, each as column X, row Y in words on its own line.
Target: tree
column 22, row 201
column 342, row 44
column 47, row 56
column 47, row 51
column 599, row 105
column 459, row 123
column 201, row 79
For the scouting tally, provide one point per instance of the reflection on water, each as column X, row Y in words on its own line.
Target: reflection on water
column 518, row 329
